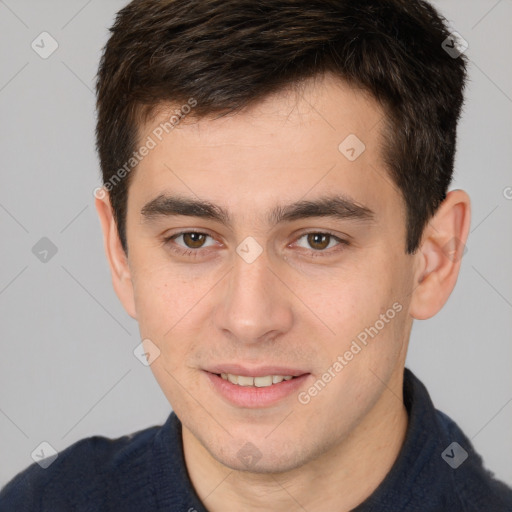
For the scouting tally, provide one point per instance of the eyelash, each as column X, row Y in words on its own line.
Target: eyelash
column 315, row 253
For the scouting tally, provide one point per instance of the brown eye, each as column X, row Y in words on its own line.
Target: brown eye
column 194, row 240
column 190, row 244
column 318, row 241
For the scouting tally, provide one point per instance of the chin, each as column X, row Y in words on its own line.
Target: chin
column 260, row 459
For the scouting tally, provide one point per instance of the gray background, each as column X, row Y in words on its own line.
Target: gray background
column 67, row 369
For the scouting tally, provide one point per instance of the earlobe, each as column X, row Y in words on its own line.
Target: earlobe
column 116, row 257
column 440, row 254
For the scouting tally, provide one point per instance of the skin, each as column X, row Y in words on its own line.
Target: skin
column 294, row 305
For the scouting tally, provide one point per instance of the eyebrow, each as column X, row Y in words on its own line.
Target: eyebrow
column 336, row 206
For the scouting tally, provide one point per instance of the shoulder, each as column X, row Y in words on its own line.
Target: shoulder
column 475, row 486
column 89, row 471
column 439, row 465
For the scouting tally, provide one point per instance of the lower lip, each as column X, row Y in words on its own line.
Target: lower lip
column 251, row 396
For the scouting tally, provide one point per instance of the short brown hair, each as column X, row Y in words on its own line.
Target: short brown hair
column 228, row 54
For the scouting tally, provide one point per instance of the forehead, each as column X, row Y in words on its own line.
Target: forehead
column 325, row 136
column 318, row 104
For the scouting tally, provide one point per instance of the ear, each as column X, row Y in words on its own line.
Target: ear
column 440, row 254
column 117, row 259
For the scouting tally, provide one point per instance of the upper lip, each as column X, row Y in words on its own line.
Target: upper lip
column 260, row 371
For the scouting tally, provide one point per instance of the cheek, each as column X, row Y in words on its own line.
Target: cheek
column 347, row 300
column 171, row 308
column 160, row 296
column 368, row 305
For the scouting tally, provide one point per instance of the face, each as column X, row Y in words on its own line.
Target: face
column 294, row 266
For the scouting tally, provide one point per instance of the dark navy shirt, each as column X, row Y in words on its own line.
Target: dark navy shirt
column 437, row 470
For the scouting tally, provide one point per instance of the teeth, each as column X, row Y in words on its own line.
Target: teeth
column 245, row 381
column 262, row 382
column 259, row 382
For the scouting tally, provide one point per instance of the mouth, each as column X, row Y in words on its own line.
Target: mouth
column 257, row 382
column 263, row 387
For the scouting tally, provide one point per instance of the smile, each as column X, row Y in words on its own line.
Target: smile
column 258, row 382
column 255, row 391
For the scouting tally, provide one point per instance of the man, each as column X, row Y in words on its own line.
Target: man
column 276, row 214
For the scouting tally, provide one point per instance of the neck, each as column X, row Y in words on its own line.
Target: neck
column 339, row 479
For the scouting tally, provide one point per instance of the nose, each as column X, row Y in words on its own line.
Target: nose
column 254, row 305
